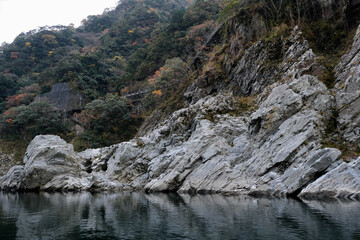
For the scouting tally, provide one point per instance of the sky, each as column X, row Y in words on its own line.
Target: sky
column 17, row 16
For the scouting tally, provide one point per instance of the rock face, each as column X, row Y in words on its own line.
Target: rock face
column 347, row 92
column 215, row 146
column 341, row 182
column 61, row 97
column 45, row 157
column 6, row 160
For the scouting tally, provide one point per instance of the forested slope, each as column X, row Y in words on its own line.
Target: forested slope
column 109, row 56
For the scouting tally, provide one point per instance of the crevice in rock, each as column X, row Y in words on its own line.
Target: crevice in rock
column 191, row 191
column 150, row 191
column 87, row 165
column 283, row 166
column 204, row 191
column 255, row 125
column 295, row 194
column 316, row 176
column 106, row 158
column 104, row 167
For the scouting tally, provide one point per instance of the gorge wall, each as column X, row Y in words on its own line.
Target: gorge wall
column 268, row 142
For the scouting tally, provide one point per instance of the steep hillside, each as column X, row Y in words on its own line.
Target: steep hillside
column 99, row 61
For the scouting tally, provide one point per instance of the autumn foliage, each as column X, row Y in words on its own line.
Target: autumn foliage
column 200, row 33
column 157, row 92
column 26, row 96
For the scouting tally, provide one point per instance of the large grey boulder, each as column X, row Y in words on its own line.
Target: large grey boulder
column 51, row 164
column 45, row 157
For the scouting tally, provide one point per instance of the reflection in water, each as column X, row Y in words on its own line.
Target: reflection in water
column 170, row 216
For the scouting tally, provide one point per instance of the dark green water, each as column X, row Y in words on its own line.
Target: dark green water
column 164, row 216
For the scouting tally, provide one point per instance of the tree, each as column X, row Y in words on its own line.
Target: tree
column 34, row 119
column 106, row 121
column 6, row 87
column 166, row 81
column 172, row 74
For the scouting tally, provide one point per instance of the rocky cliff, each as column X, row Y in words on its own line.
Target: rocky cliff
column 61, row 98
column 269, row 142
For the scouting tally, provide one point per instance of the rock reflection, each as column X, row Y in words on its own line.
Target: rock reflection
column 171, row 216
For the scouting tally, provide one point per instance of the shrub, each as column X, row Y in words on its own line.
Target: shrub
column 34, row 119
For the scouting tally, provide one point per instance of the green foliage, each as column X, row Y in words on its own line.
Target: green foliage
column 172, row 74
column 165, row 82
column 108, row 114
column 326, row 37
column 85, row 73
column 29, row 121
column 37, row 49
column 98, row 23
column 202, row 10
column 328, row 78
column 231, row 7
column 107, row 53
column 7, row 87
column 106, row 122
column 142, row 33
column 135, row 24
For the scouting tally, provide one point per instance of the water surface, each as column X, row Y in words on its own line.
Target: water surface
column 171, row 216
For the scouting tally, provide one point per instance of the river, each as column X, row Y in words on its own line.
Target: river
column 171, row 216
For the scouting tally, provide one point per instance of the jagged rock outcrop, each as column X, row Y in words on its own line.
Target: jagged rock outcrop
column 45, row 158
column 347, row 92
column 341, row 182
column 215, row 146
